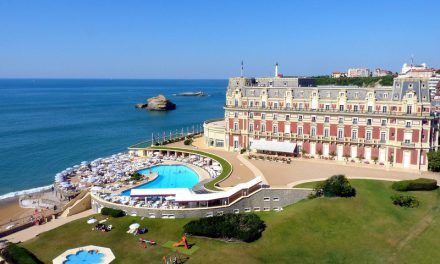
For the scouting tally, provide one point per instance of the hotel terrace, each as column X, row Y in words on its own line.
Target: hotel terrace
column 394, row 126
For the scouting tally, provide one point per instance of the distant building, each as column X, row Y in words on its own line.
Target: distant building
column 381, row 72
column 418, row 71
column 433, row 83
column 358, row 72
column 337, row 74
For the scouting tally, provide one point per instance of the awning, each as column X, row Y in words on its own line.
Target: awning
column 275, row 146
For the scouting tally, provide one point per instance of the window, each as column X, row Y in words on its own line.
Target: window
column 287, row 117
column 263, row 127
column 327, row 107
column 383, row 122
column 368, row 135
column 251, row 127
column 276, row 199
column 313, row 132
column 266, row 209
column 369, row 121
column 370, row 108
column 355, row 120
column 326, row 132
column 385, row 95
column 409, row 109
column 236, row 211
column 341, row 94
column 256, row 209
column 266, row 199
column 301, row 106
column 236, row 103
column 327, row 119
column 275, row 129
column 341, row 120
column 251, row 115
column 263, row 104
column 408, row 124
column 300, row 118
column 236, row 114
column 354, row 134
column 275, row 105
column 356, row 95
column 383, row 136
column 247, row 210
column 220, row 213
column 384, row 109
column 235, row 126
column 287, row 105
column 300, row 131
column 340, row 133
column 275, row 116
column 251, row 103
column 341, row 107
column 313, row 119
column 355, row 108
column 263, row 116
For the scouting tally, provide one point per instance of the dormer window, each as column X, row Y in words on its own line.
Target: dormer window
column 385, row 95
column 356, row 95
column 341, row 94
column 410, row 85
column 328, row 94
column 409, row 95
column 285, row 83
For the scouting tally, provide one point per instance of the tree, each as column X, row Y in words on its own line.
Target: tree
column 434, row 161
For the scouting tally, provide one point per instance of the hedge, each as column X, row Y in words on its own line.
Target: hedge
column 16, row 254
column 112, row 212
column 421, row 184
column 244, row 227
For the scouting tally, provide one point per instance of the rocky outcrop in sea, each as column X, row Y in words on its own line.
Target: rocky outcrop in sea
column 157, row 103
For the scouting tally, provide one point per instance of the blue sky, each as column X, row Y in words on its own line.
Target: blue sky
column 208, row 39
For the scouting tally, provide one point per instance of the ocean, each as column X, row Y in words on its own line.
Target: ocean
column 49, row 125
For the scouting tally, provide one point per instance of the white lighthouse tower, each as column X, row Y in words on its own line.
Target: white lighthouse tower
column 276, row 69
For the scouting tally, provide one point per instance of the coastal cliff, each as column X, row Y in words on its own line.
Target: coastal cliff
column 157, row 103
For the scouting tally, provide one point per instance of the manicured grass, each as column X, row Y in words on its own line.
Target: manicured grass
column 307, row 184
column 227, row 168
column 364, row 229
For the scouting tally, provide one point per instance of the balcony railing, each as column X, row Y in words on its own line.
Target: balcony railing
column 336, row 111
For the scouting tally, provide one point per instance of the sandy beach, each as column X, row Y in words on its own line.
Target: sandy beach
column 10, row 210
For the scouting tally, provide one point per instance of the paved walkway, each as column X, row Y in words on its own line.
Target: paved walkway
column 34, row 231
column 252, row 167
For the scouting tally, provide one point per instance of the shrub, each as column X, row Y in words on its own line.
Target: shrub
column 188, row 142
column 335, row 186
column 112, row 212
column 244, row 227
column 243, row 150
column 421, row 184
column 136, row 176
column 405, row 201
column 434, row 161
column 16, row 254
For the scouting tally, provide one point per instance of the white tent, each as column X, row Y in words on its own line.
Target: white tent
column 275, row 146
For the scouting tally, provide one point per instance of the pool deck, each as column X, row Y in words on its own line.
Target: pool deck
column 107, row 252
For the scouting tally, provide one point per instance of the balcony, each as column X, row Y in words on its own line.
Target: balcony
column 408, row 144
column 335, row 111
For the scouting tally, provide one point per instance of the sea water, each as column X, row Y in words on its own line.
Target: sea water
column 49, row 125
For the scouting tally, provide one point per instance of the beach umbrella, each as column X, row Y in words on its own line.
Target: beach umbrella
column 92, row 221
column 134, row 226
column 217, row 168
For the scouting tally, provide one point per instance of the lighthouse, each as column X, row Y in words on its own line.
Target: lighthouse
column 276, row 69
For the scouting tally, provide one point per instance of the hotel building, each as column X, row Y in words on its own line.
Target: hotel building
column 394, row 126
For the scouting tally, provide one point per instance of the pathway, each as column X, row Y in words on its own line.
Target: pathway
column 31, row 232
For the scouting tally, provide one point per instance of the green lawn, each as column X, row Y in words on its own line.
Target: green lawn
column 226, row 166
column 365, row 229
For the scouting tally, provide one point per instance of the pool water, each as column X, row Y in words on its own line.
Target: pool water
column 169, row 176
column 82, row 256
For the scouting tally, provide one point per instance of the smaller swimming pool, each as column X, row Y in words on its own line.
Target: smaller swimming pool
column 82, row 256
column 169, row 176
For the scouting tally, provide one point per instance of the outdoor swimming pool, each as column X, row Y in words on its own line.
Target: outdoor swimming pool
column 82, row 256
column 169, row 176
